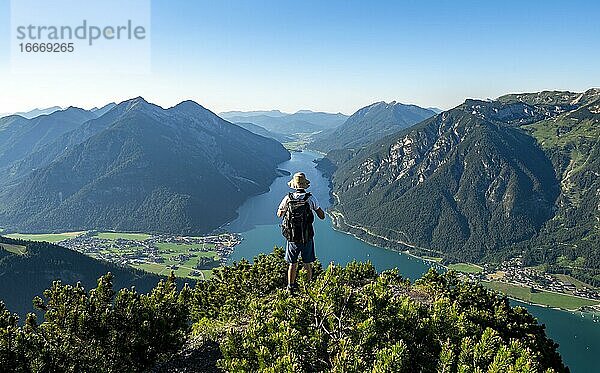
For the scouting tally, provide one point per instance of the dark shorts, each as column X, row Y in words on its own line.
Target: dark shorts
column 305, row 250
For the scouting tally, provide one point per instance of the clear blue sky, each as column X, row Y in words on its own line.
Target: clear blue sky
column 337, row 55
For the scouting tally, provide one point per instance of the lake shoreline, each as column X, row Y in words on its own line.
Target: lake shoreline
column 365, row 240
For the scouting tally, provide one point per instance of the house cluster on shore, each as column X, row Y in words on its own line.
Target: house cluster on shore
column 514, row 272
column 222, row 244
column 127, row 252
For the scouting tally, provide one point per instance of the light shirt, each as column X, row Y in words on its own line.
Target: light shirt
column 299, row 194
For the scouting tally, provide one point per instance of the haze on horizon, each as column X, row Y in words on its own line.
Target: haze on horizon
column 334, row 56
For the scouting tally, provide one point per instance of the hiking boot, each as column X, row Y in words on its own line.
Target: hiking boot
column 292, row 289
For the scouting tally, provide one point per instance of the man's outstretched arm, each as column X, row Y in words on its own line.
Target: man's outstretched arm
column 320, row 213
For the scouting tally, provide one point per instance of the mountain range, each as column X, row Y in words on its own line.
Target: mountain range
column 265, row 132
column 253, row 113
column 20, row 136
column 485, row 180
column 303, row 121
column 34, row 113
column 136, row 167
column 369, row 124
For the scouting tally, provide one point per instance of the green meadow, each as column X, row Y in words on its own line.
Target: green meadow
column 122, row 235
column 465, row 267
column 563, row 301
column 15, row 249
column 52, row 237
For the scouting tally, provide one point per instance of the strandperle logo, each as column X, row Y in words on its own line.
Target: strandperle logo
column 87, row 32
column 74, row 37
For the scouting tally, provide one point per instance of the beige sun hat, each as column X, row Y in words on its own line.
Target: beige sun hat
column 299, row 181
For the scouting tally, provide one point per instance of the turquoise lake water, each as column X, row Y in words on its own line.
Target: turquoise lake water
column 578, row 335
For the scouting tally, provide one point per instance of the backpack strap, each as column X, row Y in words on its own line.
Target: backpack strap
column 307, row 196
column 290, row 199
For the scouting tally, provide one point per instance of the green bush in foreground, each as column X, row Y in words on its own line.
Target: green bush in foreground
column 96, row 331
column 349, row 319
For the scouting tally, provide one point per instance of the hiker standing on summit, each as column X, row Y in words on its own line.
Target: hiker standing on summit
column 296, row 209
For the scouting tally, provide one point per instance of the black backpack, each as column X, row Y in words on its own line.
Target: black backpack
column 298, row 220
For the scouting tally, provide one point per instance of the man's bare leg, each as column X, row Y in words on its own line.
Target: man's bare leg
column 292, row 271
column 308, row 268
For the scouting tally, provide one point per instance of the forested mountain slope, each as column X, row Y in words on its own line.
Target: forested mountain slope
column 20, row 136
column 50, row 151
column 369, row 124
column 26, row 275
column 484, row 180
column 572, row 142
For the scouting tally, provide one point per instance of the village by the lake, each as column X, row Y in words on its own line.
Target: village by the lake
column 533, row 285
column 192, row 257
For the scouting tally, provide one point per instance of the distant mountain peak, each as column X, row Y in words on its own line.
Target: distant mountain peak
column 53, row 108
column 71, row 108
column 383, row 105
column 309, row 112
column 365, row 109
column 96, row 108
column 138, row 104
column 435, row 109
column 391, row 104
column 190, row 105
column 138, row 100
column 372, row 123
